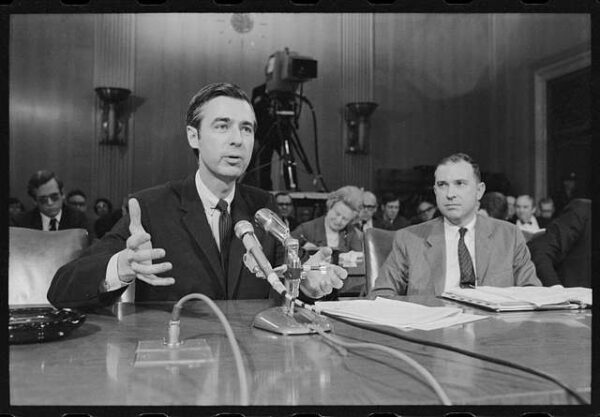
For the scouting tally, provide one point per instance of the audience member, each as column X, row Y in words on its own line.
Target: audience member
column 285, row 207
column 334, row 229
column 525, row 208
column 369, row 208
column 104, row 224
column 77, row 200
column 50, row 213
column 426, row 211
column 493, row 204
column 510, row 201
column 562, row 255
column 568, row 191
column 546, row 212
column 390, row 219
column 188, row 224
column 102, row 206
column 460, row 248
column 15, row 207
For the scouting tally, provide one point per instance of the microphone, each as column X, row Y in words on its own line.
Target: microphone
column 245, row 232
column 272, row 223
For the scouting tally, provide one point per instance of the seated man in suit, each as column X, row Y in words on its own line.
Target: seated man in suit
column 188, row 224
column 285, row 208
column 365, row 216
column 50, row 213
column 459, row 248
column 546, row 212
column 390, row 219
column 562, row 255
column 525, row 210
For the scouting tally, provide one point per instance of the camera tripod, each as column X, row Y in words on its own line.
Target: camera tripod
column 282, row 137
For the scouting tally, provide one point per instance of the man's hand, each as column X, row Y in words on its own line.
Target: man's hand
column 318, row 284
column 136, row 259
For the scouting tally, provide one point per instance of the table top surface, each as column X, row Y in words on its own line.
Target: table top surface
column 94, row 365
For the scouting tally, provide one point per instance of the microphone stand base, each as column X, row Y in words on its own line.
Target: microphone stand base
column 276, row 320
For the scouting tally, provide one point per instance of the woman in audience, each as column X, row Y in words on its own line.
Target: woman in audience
column 334, row 229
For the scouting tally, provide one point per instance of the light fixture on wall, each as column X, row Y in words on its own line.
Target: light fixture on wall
column 113, row 119
column 357, row 120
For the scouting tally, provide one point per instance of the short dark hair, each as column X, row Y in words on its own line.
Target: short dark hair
column 546, row 200
column 282, row 194
column 207, row 93
column 105, row 200
column 76, row 192
column 495, row 204
column 457, row 157
column 40, row 178
column 389, row 197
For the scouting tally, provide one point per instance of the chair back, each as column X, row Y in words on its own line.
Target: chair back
column 34, row 257
column 378, row 245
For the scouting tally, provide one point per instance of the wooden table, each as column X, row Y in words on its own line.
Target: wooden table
column 94, row 364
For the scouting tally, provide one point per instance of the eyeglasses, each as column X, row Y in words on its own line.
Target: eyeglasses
column 48, row 199
column 369, row 207
column 284, row 204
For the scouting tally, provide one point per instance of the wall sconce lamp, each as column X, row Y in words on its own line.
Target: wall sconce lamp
column 113, row 122
column 357, row 119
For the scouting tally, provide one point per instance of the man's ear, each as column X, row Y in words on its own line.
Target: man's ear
column 480, row 190
column 193, row 137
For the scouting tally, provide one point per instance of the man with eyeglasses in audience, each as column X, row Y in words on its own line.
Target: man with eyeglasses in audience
column 50, row 213
column 285, row 206
column 365, row 216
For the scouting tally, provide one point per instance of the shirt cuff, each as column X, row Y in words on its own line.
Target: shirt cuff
column 112, row 281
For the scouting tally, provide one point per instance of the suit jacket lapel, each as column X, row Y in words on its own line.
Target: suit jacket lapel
column 435, row 255
column 239, row 211
column 37, row 219
column 195, row 221
column 483, row 233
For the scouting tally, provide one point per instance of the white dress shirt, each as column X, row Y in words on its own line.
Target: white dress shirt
column 531, row 227
column 452, row 235
column 46, row 221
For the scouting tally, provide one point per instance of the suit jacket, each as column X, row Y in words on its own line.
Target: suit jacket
column 417, row 262
column 314, row 231
column 174, row 216
column 70, row 219
column 562, row 255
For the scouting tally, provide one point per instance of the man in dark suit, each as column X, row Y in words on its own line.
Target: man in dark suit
column 188, row 224
column 562, row 255
column 50, row 212
column 459, row 248
column 285, row 208
column 390, row 219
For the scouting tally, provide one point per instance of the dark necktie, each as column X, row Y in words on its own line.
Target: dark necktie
column 224, row 232
column 53, row 224
column 467, row 273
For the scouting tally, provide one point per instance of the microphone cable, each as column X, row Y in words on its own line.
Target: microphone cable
column 451, row 348
column 173, row 339
column 393, row 352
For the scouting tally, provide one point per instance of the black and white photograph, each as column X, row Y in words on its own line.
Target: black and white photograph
column 268, row 213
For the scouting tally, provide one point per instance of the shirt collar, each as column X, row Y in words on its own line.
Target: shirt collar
column 209, row 200
column 47, row 219
column 452, row 228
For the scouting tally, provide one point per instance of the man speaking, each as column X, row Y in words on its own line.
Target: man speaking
column 186, row 226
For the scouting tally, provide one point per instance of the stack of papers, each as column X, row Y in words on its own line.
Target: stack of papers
column 523, row 298
column 398, row 314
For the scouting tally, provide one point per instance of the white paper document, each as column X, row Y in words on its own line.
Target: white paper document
column 523, row 298
column 399, row 314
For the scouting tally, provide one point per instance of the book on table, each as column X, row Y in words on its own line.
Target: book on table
column 522, row 298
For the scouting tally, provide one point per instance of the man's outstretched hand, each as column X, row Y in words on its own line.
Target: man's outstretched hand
column 135, row 261
column 318, row 284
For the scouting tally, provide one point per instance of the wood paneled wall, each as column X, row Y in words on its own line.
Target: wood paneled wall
column 443, row 82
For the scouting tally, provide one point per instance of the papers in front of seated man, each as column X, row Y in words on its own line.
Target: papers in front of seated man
column 399, row 314
column 523, row 298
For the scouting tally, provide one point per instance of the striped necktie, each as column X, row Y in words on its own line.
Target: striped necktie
column 467, row 273
column 224, row 232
